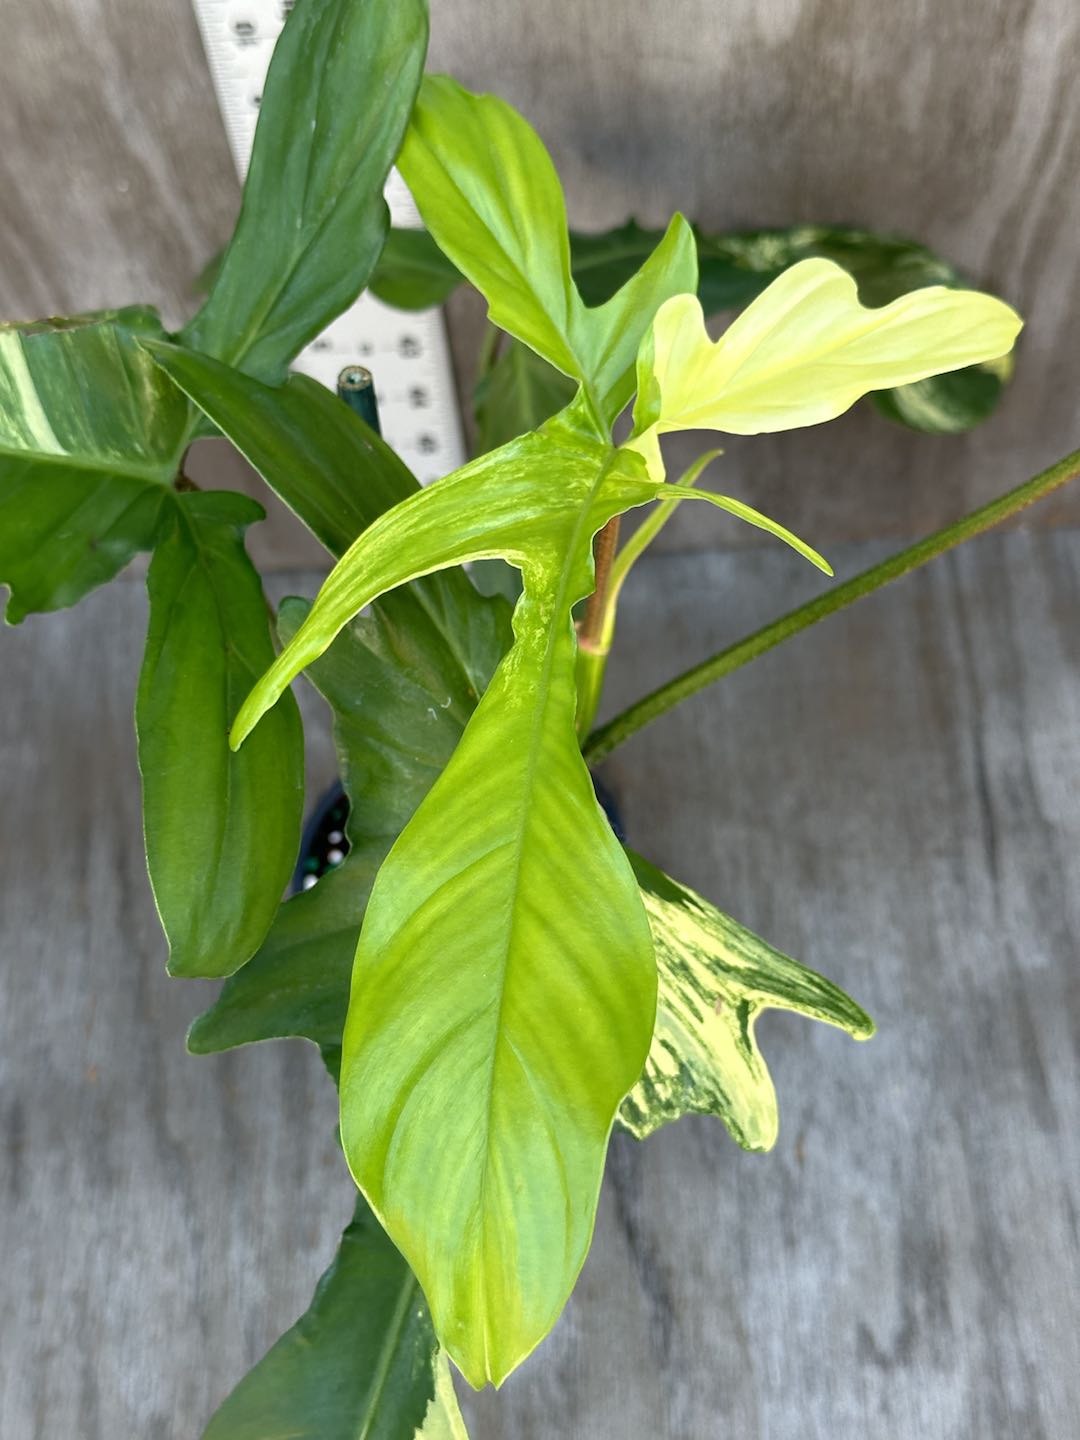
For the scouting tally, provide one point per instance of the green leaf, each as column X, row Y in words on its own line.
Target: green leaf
column 363, row 1360
column 734, row 269
column 805, row 351
column 387, row 678
column 715, row 979
column 517, row 394
column 402, row 682
column 413, row 273
column 91, row 434
column 222, row 830
column 461, row 904
column 489, row 194
column 334, row 107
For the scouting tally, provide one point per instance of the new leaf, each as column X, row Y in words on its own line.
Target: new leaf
column 490, row 196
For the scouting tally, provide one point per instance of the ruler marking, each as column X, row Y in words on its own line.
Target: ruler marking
column 406, row 351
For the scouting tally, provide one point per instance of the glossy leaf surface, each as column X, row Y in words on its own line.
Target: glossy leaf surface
column 805, row 351
column 90, row 438
column 335, row 104
column 388, row 679
column 463, row 904
column 394, row 733
column 489, row 194
column 714, row 979
column 222, row 829
column 733, row 269
column 362, row 1361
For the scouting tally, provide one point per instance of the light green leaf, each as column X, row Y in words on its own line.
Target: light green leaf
column 413, row 273
column 805, row 351
column 715, row 979
column 222, row 830
column 91, row 434
column 334, row 107
column 461, row 905
column 517, row 394
column 363, row 1360
column 489, row 194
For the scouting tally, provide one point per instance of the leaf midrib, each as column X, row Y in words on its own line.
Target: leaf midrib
column 558, row 613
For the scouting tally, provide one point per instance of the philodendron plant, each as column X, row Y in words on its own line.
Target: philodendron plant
column 492, row 977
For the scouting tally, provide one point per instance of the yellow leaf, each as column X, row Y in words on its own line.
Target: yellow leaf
column 805, row 351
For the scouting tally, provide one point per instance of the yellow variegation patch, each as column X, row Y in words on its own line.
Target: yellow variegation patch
column 804, row 352
column 715, row 978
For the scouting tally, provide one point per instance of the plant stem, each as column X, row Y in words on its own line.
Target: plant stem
column 593, row 643
column 604, row 740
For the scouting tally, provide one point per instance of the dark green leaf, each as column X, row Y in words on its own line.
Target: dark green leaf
column 91, row 434
column 334, row 107
column 518, row 393
column 389, row 677
column 948, row 404
column 715, row 979
column 413, row 273
column 222, row 829
column 363, row 1360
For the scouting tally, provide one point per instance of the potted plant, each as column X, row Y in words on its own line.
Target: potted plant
column 493, row 979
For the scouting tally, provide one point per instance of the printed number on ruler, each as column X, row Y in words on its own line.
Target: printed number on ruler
column 406, row 353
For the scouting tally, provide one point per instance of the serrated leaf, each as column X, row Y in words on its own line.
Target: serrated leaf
column 518, row 393
column 489, row 194
column 413, row 273
column 91, row 434
column 805, row 351
column 714, row 979
column 362, row 1361
column 335, row 104
column 222, row 830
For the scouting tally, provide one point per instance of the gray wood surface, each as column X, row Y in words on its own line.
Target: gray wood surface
column 895, row 799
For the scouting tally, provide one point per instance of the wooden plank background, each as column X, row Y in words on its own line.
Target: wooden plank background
column 895, row 799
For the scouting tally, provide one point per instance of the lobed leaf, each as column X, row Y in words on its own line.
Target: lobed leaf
column 714, row 979
column 222, row 830
column 805, row 351
column 335, row 105
column 362, row 1361
column 490, row 196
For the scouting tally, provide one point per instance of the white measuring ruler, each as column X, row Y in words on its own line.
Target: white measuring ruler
column 407, row 353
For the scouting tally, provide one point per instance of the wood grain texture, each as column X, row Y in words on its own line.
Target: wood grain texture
column 957, row 122
column 895, row 799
